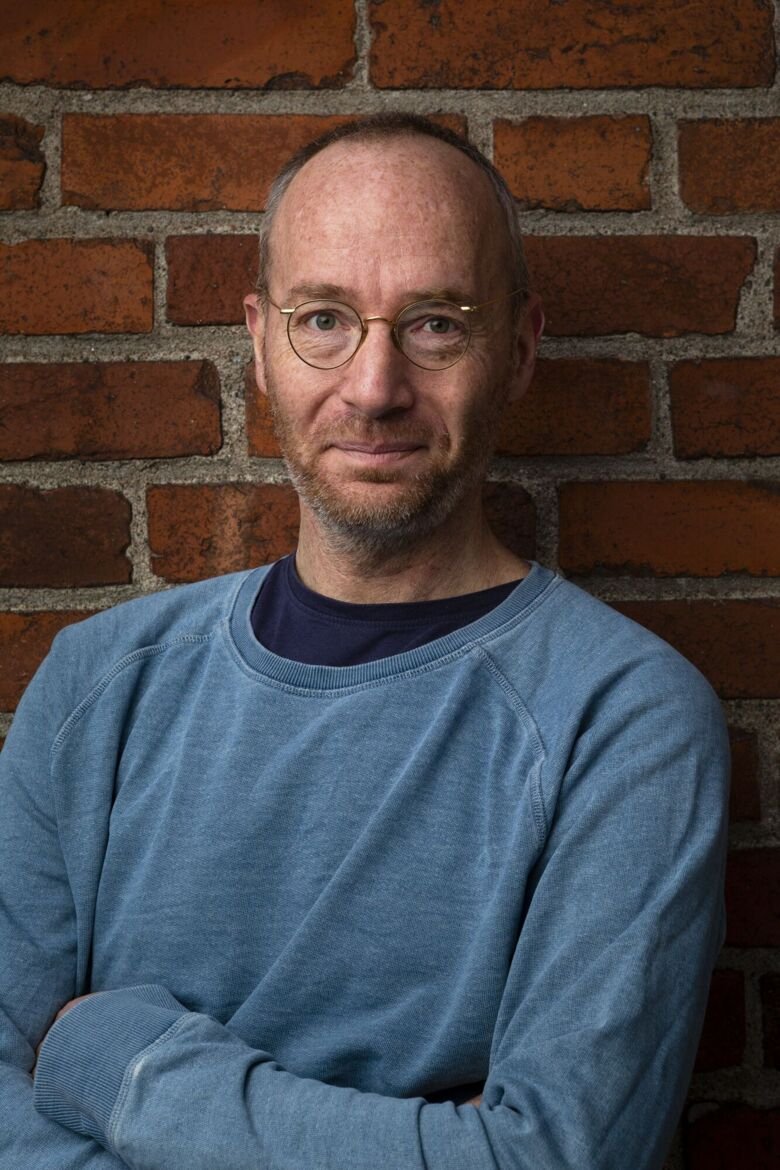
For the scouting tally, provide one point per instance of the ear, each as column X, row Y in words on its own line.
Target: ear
column 529, row 334
column 255, row 323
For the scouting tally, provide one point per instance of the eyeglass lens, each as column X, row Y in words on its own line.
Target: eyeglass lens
column 432, row 334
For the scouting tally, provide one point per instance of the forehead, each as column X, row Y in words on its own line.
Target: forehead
column 411, row 212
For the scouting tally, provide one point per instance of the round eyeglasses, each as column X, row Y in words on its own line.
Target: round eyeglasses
column 432, row 334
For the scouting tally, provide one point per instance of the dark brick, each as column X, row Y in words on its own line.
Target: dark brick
column 726, row 406
column 590, row 44
column 722, row 1043
column 581, row 406
column 729, row 165
column 733, row 1137
column 770, row 1008
column 208, row 278
column 175, row 43
column 660, row 286
column 24, row 641
column 571, row 164
column 512, row 516
column 66, row 537
column 735, row 644
column 200, row 530
column 76, row 286
column 700, row 528
column 109, row 410
column 22, row 164
column 745, row 795
column 753, row 898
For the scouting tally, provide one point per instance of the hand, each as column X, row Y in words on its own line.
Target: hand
column 71, row 1003
column 475, row 1100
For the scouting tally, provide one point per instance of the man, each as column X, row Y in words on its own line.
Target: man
column 403, row 853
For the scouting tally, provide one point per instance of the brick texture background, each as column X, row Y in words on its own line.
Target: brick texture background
column 641, row 142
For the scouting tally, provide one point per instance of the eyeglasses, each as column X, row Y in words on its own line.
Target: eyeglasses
column 433, row 334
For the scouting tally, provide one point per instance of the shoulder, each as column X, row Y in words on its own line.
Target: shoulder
column 86, row 652
column 575, row 650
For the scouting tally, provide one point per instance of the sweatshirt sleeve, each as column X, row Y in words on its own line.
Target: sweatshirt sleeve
column 595, row 1038
column 37, row 936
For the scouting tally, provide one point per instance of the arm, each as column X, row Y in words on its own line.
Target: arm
column 594, row 1041
column 38, row 965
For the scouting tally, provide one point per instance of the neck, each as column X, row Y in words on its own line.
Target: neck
column 454, row 560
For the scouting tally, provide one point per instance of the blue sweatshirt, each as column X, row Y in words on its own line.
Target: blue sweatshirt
column 323, row 905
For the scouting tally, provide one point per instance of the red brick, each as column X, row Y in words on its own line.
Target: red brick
column 178, row 43
column 184, row 162
column 512, row 516
column 729, row 166
column 69, row 536
column 770, row 1007
column 722, row 1043
column 734, row 1137
column 208, row 278
column 726, row 406
column 576, row 164
column 109, row 410
column 24, row 641
column 745, row 795
column 661, row 286
column 591, row 44
column 753, row 898
column 735, row 644
column 259, row 423
column 702, row 528
column 201, row 530
column 21, row 163
column 581, row 406
column 76, row 286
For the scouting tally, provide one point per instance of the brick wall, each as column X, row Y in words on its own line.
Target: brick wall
column 642, row 142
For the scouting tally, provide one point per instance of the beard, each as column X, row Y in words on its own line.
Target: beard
column 382, row 522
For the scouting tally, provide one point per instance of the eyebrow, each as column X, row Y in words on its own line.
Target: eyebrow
column 322, row 290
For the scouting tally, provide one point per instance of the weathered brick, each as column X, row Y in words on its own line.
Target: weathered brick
column 22, row 164
column 573, row 164
column 753, row 898
column 259, row 423
column 184, row 162
column 735, row 644
column 24, row 641
column 701, row 528
column 733, row 1137
column 661, row 286
column 770, row 1010
column 729, row 165
column 726, row 406
column 65, row 537
column 201, row 530
column 109, row 410
column 208, row 278
column 580, row 406
column 175, row 43
column 722, row 1043
column 512, row 516
column 591, row 44
column 76, row 286
column 744, row 795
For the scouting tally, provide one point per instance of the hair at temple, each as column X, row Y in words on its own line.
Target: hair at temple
column 394, row 125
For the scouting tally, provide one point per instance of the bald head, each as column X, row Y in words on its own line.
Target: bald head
column 406, row 148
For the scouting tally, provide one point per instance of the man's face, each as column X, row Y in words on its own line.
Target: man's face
column 379, row 449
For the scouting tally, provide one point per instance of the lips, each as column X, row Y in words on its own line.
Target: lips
column 392, row 448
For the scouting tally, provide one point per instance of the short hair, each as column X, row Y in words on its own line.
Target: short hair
column 375, row 127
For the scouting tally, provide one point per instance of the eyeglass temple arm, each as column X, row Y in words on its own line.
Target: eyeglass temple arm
column 495, row 300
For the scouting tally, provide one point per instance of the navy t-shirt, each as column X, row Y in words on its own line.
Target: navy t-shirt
column 294, row 622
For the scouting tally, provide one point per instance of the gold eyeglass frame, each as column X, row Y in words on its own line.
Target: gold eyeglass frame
column 288, row 313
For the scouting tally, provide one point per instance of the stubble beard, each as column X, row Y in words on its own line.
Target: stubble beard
column 377, row 527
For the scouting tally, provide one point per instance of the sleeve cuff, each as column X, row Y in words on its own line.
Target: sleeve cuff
column 84, row 1058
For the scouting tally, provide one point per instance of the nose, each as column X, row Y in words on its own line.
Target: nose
column 378, row 378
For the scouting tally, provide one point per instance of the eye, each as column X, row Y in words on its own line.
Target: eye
column 322, row 321
column 439, row 325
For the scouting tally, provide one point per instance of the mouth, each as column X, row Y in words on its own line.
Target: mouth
column 377, row 453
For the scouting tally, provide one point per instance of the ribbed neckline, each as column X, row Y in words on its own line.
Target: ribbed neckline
column 304, row 677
